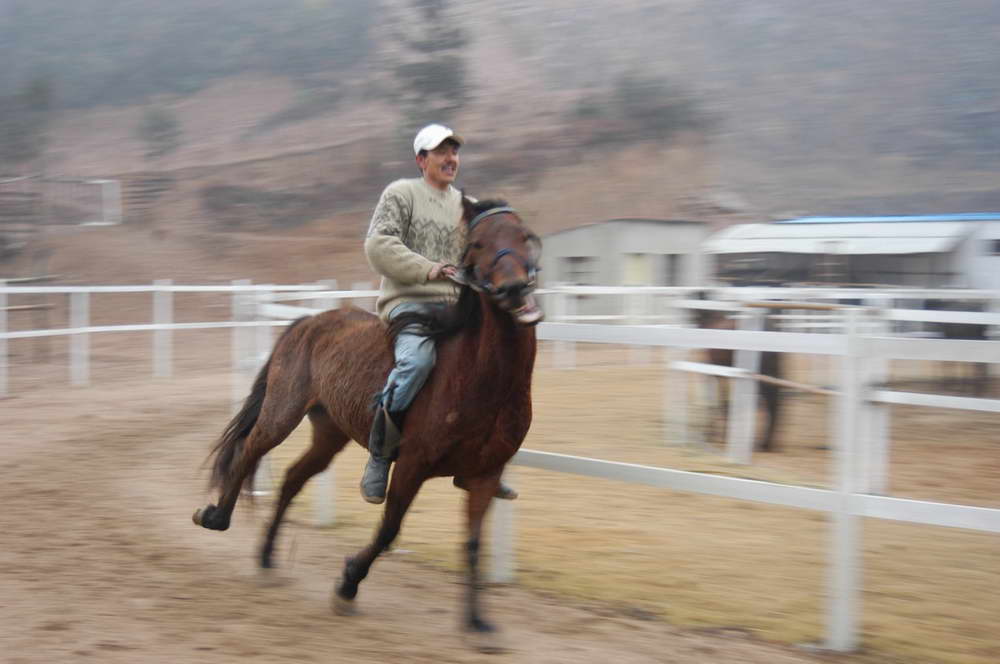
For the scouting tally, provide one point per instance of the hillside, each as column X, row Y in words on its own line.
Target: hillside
column 576, row 111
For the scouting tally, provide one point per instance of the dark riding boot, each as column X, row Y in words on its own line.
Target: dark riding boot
column 382, row 444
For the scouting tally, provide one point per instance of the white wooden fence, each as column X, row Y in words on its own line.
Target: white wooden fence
column 860, row 444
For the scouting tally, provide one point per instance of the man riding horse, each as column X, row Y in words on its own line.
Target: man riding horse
column 415, row 239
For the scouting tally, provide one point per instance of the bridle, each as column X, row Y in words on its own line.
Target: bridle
column 481, row 282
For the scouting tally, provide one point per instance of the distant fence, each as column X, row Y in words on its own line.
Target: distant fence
column 246, row 344
column 860, row 445
column 36, row 199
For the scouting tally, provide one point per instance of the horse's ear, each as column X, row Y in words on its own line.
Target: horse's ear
column 468, row 211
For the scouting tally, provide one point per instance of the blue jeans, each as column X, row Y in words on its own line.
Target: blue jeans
column 415, row 358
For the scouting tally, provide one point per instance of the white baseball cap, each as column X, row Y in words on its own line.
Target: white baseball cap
column 431, row 136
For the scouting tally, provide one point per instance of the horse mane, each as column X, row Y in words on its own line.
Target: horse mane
column 446, row 321
column 475, row 207
column 440, row 322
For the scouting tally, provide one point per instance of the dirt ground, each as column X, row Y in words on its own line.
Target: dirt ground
column 101, row 562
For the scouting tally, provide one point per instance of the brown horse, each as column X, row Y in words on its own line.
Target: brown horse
column 770, row 365
column 467, row 421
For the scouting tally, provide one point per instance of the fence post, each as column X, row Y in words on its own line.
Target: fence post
column 264, row 337
column 676, row 402
column 263, row 479
column 3, row 341
column 741, row 423
column 992, row 307
column 564, row 351
column 163, row 314
column 676, row 384
column 79, row 343
column 638, row 308
column 239, row 349
column 325, row 505
column 843, row 598
column 362, row 286
column 557, row 315
column 502, row 538
column 328, row 302
column 875, row 417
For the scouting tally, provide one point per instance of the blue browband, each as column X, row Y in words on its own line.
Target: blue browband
column 488, row 213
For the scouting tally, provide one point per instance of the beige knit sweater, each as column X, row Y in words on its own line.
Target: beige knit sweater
column 413, row 227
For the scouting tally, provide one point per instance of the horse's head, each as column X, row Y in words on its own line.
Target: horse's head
column 501, row 258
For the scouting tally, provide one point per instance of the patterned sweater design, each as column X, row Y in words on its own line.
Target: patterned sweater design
column 413, row 227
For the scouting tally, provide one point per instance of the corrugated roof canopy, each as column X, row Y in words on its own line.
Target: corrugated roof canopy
column 839, row 238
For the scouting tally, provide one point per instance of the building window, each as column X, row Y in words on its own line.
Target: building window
column 671, row 269
column 579, row 270
column 636, row 270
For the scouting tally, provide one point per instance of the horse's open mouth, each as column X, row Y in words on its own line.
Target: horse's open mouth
column 528, row 313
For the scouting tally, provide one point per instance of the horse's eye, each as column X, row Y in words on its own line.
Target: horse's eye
column 477, row 245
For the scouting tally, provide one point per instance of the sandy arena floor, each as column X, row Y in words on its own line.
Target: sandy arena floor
column 101, row 562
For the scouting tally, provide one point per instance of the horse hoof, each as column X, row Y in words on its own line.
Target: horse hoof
column 505, row 492
column 209, row 517
column 488, row 643
column 343, row 607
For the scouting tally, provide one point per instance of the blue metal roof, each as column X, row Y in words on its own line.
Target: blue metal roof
column 965, row 216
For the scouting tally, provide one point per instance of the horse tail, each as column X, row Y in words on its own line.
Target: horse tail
column 230, row 444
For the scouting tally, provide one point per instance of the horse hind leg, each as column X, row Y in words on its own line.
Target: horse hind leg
column 718, row 409
column 274, row 424
column 327, row 441
column 770, row 397
column 403, row 488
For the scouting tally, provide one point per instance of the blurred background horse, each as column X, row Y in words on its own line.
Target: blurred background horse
column 967, row 377
column 769, row 394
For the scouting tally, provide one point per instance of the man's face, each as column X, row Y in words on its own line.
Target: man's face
column 440, row 165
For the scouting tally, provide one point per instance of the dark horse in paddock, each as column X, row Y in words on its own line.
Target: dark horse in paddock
column 770, row 365
column 467, row 421
column 978, row 382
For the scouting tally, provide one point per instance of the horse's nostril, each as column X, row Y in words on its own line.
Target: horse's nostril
column 512, row 290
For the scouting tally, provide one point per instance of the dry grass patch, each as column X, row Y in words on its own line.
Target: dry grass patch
column 701, row 561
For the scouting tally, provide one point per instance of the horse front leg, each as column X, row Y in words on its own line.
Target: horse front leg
column 403, row 487
column 482, row 634
column 326, row 443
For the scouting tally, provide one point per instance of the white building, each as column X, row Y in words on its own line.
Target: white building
column 932, row 251
column 626, row 252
